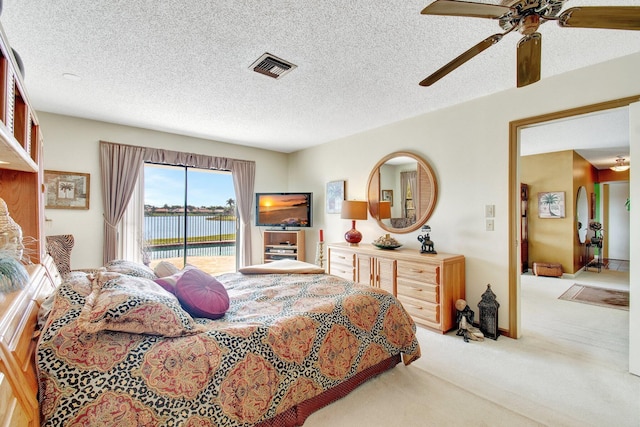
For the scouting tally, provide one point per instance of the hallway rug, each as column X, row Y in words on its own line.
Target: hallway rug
column 597, row 296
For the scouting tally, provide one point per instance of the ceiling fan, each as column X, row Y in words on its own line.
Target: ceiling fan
column 526, row 16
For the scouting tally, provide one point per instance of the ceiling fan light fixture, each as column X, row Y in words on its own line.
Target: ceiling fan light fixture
column 620, row 166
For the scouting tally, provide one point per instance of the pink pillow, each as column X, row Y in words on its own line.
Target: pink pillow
column 202, row 295
column 169, row 282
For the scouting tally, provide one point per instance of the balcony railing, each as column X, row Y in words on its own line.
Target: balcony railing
column 206, row 235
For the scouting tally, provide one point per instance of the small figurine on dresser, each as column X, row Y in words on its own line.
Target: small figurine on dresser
column 427, row 244
column 464, row 319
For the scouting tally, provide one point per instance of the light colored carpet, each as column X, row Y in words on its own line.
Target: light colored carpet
column 570, row 368
column 409, row 396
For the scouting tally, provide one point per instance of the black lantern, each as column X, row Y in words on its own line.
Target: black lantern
column 489, row 314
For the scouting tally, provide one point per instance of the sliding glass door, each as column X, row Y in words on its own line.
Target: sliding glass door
column 190, row 217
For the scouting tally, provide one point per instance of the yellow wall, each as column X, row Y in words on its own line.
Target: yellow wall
column 550, row 240
column 556, row 240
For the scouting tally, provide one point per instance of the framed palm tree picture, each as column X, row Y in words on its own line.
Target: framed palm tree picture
column 66, row 190
column 551, row 204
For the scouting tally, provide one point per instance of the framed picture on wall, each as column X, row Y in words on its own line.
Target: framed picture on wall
column 335, row 196
column 551, row 204
column 387, row 196
column 66, row 190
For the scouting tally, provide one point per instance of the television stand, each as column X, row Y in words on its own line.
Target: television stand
column 283, row 244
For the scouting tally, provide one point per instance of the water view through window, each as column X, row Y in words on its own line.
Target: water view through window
column 190, row 217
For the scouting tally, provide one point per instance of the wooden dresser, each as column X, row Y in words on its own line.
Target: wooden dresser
column 428, row 285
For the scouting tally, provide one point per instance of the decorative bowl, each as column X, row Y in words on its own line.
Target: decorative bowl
column 386, row 242
column 379, row 246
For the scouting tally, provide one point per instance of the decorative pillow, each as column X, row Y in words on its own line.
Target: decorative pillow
column 119, row 302
column 169, row 282
column 282, row 266
column 130, row 268
column 165, row 268
column 202, row 295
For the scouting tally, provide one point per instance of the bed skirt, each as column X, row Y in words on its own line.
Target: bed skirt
column 296, row 415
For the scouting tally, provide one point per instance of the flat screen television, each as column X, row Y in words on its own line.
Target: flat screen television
column 284, row 210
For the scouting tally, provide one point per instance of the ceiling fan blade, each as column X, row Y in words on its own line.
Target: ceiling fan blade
column 612, row 17
column 529, row 59
column 465, row 8
column 475, row 50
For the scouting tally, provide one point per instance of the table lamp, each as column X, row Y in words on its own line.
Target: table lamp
column 353, row 210
column 385, row 210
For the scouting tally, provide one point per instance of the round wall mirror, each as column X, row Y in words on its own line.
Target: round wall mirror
column 582, row 214
column 402, row 192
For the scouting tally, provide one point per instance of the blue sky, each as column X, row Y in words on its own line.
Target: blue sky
column 165, row 185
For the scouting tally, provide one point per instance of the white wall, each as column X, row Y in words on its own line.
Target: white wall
column 467, row 146
column 72, row 145
column 618, row 221
column 634, row 251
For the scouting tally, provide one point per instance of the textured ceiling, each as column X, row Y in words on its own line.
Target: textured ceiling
column 183, row 66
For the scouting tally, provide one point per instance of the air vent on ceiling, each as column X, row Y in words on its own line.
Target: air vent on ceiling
column 272, row 66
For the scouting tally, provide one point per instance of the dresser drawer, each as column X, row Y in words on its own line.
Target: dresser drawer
column 422, row 311
column 346, row 259
column 420, row 291
column 423, row 273
column 342, row 264
column 347, row 274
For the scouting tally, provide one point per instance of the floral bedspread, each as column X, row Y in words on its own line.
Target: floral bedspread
column 284, row 339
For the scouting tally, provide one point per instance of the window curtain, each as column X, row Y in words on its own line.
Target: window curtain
column 244, row 174
column 119, row 169
column 242, row 171
column 131, row 227
column 408, row 180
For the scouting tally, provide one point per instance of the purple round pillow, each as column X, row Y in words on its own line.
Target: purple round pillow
column 202, row 295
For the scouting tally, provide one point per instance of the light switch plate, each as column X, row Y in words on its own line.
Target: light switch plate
column 490, row 211
column 489, row 224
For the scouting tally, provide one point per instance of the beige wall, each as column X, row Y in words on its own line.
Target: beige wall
column 468, row 147
column 71, row 144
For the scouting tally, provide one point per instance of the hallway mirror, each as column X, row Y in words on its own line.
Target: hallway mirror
column 402, row 192
column 582, row 214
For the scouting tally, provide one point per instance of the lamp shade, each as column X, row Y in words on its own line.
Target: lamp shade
column 385, row 210
column 352, row 209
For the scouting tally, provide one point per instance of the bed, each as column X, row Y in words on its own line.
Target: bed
column 288, row 344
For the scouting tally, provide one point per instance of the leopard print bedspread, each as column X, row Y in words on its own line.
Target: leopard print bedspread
column 285, row 339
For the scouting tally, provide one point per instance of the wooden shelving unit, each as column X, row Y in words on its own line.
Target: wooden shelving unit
column 21, row 169
column 283, row 244
column 21, row 187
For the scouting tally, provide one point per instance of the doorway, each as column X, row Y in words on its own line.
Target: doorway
column 514, row 195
